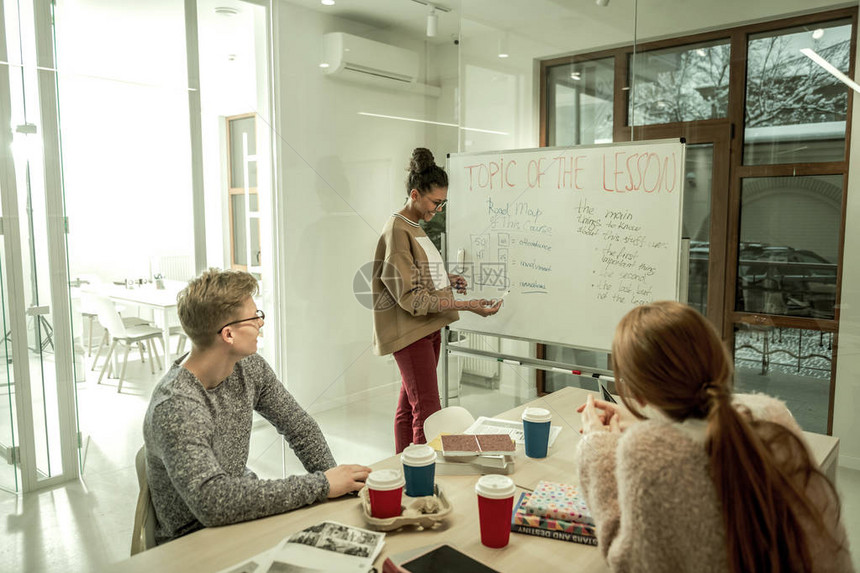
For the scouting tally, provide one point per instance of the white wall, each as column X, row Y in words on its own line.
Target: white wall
column 342, row 175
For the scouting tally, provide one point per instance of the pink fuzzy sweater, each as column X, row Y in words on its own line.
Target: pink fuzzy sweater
column 650, row 492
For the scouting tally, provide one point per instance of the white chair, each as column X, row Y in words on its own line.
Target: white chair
column 143, row 534
column 125, row 335
column 451, row 420
column 183, row 338
column 88, row 313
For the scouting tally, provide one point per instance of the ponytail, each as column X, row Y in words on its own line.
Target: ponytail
column 761, row 471
column 669, row 356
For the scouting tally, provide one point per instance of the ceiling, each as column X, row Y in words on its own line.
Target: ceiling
column 565, row 26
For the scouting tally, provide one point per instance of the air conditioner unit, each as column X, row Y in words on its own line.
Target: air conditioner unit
column 354, row 57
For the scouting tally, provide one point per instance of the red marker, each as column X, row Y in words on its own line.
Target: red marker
column 556, row 369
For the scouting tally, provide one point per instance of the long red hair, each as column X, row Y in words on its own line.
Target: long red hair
column 669, row 356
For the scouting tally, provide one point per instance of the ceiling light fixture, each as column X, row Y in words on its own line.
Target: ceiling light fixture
column 432, row 16
column 575, row 76
column 327, row 2
column 817, row 33
column 602, row 2
column 503, row 45
column 432, row 23
column 812, row 55
column 226, row 11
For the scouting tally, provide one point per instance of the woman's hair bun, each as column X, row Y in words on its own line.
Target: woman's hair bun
column 422, row 159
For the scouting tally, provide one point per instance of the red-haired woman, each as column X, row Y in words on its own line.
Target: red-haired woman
column 715, row 481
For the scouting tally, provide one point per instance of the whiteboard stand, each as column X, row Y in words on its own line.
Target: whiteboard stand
column 444, row 349
column 684, row 272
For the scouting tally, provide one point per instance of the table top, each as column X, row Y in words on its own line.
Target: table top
column 216, row 548
column 141, row 295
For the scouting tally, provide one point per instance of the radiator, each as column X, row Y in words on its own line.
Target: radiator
column 485, row 367
column 179, row 268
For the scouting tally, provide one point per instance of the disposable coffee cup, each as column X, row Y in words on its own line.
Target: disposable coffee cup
column 385, row 488
column 419, row 469
column 495, row 505
column 536, row 423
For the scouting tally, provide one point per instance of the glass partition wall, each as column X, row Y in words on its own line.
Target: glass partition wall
column 764, row 109
column 114, row 177
column 766, row 126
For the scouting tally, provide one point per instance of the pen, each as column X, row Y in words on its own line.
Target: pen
column 506, row 361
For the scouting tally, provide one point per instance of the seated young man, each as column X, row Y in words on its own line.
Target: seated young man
column 198, row 425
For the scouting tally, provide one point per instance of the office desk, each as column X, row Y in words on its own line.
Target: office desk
column 162, row 302
column 216, row 548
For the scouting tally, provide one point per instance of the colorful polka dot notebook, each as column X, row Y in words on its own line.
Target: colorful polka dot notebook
column 558, row 501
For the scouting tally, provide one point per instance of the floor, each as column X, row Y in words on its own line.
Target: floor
column 86, row 524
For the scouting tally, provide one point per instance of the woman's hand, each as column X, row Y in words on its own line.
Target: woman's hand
column 599, row 418
column 458, row 283
column 607, row 410
column 484, row 307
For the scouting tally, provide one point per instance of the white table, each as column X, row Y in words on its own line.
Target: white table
column 162, row 302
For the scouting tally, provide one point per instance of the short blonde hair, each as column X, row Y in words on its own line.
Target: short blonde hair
column 211, row 300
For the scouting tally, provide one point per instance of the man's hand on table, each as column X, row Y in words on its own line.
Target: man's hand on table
column 345, row 479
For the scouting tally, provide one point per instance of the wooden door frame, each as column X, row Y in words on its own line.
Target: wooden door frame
column 231, row 191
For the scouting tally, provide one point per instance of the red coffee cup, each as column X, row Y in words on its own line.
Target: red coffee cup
column 495, row 504
column 385, row 489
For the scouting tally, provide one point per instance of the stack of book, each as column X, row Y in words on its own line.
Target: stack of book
column 464, row 454
column 556, row 511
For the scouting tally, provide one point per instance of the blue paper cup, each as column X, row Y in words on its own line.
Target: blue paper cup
column 419, row 469
column 536, row 422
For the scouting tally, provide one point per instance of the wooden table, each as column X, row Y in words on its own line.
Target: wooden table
column 216, row 548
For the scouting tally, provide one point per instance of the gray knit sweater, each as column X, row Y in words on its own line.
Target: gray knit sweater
column 197, row 444
column 656, row 507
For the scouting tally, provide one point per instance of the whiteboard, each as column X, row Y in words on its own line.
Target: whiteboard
column 578, row 235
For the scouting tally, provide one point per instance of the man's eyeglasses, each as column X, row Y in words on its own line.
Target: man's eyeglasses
column 259, row 316
column 439, row 205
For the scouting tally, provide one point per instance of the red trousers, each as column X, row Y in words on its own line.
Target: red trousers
column 419, row 393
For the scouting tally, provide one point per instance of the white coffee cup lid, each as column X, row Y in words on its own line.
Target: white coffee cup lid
column 418, row 455
column 537, row 415
column 385, row 479
column 495, row 486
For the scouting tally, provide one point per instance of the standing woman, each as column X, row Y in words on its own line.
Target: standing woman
column 718, row 481
column 413, row 298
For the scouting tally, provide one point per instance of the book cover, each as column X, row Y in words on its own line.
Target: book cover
column 471, row 444
column 541, row 526
column 558, row 501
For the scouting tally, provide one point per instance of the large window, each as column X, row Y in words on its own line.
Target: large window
column 795, row 108
column 789, row 245
column 686, row 83
column 765, row 113
column 581, row 97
